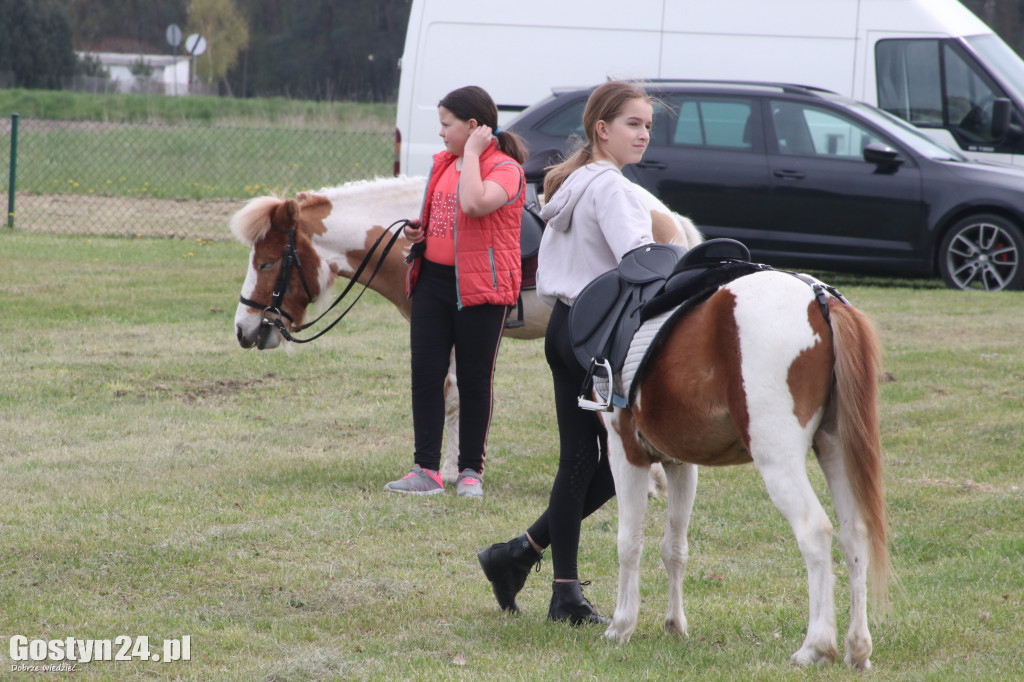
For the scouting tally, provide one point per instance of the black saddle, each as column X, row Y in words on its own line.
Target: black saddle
column 649, row 280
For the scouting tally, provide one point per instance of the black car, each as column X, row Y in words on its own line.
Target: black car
column 807, row 178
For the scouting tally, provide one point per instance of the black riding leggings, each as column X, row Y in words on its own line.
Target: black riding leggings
column 475, row 332
column 584, row 480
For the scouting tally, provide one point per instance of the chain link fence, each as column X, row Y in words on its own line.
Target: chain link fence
column 95, row 178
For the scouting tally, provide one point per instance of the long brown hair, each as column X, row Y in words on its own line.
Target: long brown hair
column 473, row 102
column 604, row 104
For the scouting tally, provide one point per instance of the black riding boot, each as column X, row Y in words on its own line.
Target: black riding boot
column 506, row 565
column 568, row 603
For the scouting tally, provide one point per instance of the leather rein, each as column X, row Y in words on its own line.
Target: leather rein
column 290, row 259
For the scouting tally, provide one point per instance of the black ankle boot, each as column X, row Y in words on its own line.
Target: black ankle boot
column 506, row 565
column 569, row 604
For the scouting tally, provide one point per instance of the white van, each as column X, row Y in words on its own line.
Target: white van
column 931, row 62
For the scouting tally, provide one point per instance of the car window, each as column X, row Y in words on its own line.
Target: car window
column 931, row 83
column 909, row 80
column 708, row 122
column 566, row 121
column 802, row 129
column 969, row 98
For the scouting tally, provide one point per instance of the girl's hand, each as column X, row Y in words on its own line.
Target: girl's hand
column 414, row 232
column 478, row 140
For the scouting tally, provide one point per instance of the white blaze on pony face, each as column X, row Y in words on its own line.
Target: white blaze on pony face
column 770, row 344
column 247, row 320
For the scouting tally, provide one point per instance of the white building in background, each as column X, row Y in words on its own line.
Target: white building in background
column 166, row 74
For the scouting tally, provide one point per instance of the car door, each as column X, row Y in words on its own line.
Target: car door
column 829, row 205
column 706, row 161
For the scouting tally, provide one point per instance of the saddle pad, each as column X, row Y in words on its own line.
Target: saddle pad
column 638, row 349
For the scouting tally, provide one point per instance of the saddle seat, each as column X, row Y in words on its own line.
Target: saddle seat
column 649, row 281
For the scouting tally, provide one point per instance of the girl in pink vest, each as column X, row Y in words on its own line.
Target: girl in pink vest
column 464, row 274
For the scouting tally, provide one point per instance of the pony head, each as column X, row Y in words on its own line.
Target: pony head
column 285, row 272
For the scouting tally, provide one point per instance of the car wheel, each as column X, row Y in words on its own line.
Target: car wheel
column 982, row 252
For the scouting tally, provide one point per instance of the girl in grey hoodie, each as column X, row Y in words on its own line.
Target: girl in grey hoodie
column 594, row 217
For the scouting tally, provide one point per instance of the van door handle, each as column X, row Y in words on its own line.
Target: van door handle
column 653, row 165
column 789, row 174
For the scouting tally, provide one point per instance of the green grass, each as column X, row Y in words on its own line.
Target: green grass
column 161, row 482
column 189, row 162
column 187, row 148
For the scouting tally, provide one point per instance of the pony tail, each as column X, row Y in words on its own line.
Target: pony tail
column 857, row 366
column 512, row 145
column 557, row 174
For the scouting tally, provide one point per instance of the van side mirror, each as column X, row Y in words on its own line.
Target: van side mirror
column 883, row 156
column 1001, row 109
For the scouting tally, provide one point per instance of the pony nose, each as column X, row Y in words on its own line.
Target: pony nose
column 243, row 341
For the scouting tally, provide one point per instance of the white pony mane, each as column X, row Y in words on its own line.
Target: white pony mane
column 380, row 201
column 375, row 186
column 251, row 222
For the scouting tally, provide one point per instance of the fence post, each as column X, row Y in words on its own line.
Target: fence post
column 14, row 170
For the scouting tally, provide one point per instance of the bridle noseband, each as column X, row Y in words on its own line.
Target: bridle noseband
column 282, row 287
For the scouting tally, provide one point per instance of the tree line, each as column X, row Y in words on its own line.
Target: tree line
column 303, row 49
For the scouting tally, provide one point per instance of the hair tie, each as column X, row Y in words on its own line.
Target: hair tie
column 497, row 131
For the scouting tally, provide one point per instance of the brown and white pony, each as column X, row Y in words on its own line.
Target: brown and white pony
column 335, row 228
column 757, row 374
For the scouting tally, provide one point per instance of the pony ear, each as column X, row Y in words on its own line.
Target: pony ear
column 252, row 222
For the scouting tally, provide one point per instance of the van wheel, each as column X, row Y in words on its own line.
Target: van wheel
column 982, row 252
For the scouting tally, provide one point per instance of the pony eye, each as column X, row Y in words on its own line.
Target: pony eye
column 267, row 266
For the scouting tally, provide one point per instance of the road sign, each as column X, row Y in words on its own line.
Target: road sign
column 195, row 44
column 174, row 35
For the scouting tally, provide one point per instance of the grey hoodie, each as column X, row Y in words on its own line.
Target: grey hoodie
column 593, row 219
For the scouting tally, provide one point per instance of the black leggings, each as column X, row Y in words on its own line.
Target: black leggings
column 475, row 332
column 584, row 480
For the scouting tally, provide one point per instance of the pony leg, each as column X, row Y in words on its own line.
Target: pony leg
column 854, row 541
column 792, row 494
column 450, row 465
column 631, row 491
column 675, row 550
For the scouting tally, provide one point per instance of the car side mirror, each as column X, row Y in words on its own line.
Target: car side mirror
column 1001, row 110
column 883, row 156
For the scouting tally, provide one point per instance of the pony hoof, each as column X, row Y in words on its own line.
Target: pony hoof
column 449, row 474
column 807, row 658
column 864, row 665
column 614, row 635
column 676, row 627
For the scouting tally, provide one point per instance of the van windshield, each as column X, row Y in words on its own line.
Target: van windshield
column 1004, row 62
column 907, row 134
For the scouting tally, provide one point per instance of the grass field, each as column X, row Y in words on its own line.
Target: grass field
column 160, row 482
column 131, row 165
column 192, row 162
column 64, row 105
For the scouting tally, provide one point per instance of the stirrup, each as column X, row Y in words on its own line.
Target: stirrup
column 605, row 404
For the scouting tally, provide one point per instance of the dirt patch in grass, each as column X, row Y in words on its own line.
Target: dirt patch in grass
column 125, row 217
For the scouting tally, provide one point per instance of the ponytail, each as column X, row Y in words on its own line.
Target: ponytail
column 511, row 144
column 473, row 102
